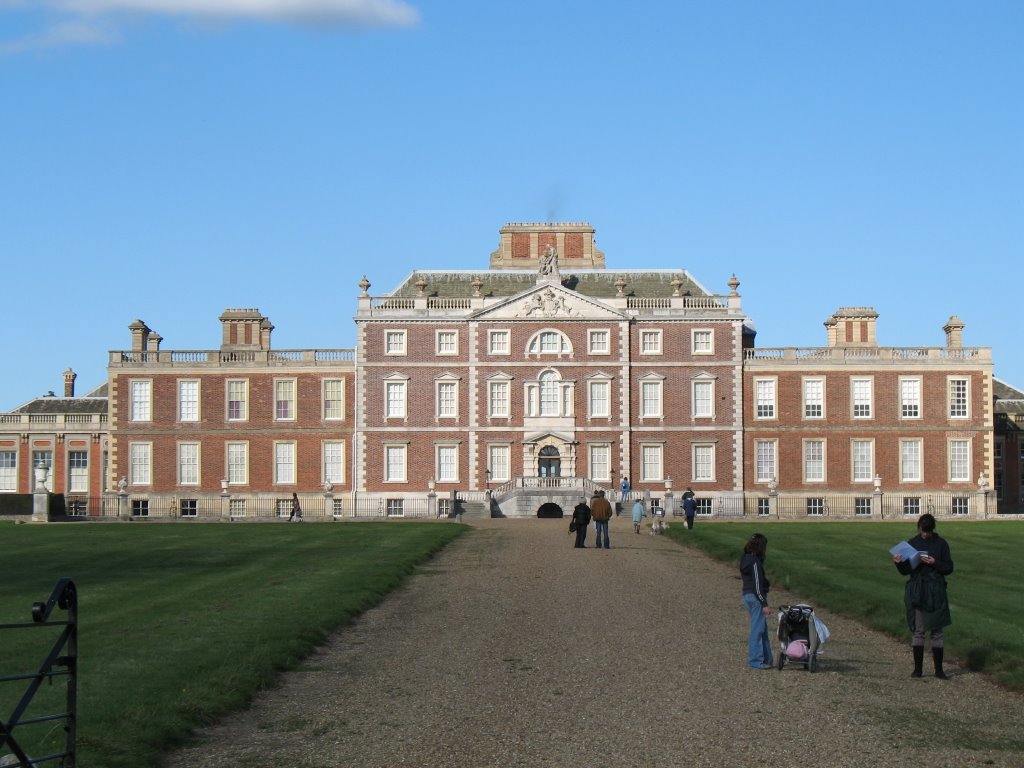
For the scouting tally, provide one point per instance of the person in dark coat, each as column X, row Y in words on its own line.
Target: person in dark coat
column 924, row 595
column 581, row 518
column 689, row 506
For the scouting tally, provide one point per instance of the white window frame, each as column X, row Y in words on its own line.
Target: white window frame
column 910, row 397
column 78, row 477
column 766, row 407
column 395, row 342
column 599, row 341
column 332, row 462
column 545, row 341
column 140, row 463
column 9, row 470
column 189, row 401
column 499, row 341
column 766, row 461
column 857, row 462
column 233, row 451
column 244, row 401
column 961, row 473
column 703, row 456
column 698, row 345
column 702, row 406
column 652, row 407
column 333, row 401
column 396, row 462
column 446, row 398
column 286, row 391
column 652, row 462
column 599, row 462
column 650, row 341
column 954, row 407
column 599, row 407
column 140, row 400
column 189, row 454
column 446, row 462
column 815, row 460
column 446, row 342
column 499, row 462
column 911, row 467
column 285, row 462
column 862, row 397
column 499, row 393
column 813, row 389
column 396, row 406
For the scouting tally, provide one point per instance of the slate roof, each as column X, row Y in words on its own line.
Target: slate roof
column 595, row 283
column 82, row 405
column 1004, row 391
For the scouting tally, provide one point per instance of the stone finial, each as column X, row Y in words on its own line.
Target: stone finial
column 364, row 284
column 677, row 284
column 620, row 286
column 954, row 329
column 477, row 285
column 733, row 285
column 421, row 287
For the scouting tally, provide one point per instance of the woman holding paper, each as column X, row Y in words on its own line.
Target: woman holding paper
column 925, row 593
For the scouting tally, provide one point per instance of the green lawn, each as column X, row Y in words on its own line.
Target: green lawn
column 182, row 623
column 845, row 567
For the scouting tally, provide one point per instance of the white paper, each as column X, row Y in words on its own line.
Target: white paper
column 908, row 553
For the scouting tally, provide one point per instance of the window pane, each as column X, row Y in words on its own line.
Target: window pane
column 140, row 405
column 958, row 398
column 814, row 460
column 395, row 463
column 650, row 405
column 599, row 398
column 651, row 462
column 188, row 463
column 702, row 399
column 140, row 463
column 704, row 462
column 188, row 401
column 395, row 399
column 550, row 398
column 499, row 463
column 446, row 399
column 334, row 462
column 910, row 398
column 862, row 464
column 284, row 399
column 764, row 398
column 499, row 398
column 910, row 460
column 765, row 461
column 862, row 398
column 499, row 342
column 8, row 470
column 959, row 460
column 334, row 406
column 238, row 463
column 814, row 398
column 447, row 464
column 599, row 467
column 237, row 397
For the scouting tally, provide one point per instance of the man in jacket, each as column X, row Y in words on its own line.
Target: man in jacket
column 581, row 519
column 601, row 511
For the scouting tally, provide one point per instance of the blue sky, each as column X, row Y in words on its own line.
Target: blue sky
column 168, row 159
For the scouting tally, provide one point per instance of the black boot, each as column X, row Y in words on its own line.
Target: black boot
column 937, row 658
column 918, row 660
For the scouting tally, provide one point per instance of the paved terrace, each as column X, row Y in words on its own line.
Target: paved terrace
column 512, row 648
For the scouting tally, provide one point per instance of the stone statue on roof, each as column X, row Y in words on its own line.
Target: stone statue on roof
column 549, row 261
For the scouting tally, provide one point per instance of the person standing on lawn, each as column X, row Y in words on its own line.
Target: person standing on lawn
column 924, row 595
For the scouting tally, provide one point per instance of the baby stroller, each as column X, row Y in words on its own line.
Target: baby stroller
column 801, row 635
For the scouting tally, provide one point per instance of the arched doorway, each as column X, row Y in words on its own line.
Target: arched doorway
column 549, row 462
column 549, row 510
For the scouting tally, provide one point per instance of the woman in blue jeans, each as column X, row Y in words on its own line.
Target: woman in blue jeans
column 755, row 597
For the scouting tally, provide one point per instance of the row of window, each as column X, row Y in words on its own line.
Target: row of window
column 189, row 463
column 236, row 391
column 862, row 461
column 78, row 469
column 862, row 397
column 499, row 462
column 549, row 395
column 548, row 342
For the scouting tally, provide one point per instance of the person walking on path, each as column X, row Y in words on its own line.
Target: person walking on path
column 296, row 513
column 638, row 514
column 601, row 511
column 689, row 507
column 924, row 595
column 581, row 519
column 755, row 598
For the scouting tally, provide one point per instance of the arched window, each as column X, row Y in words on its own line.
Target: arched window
column 549, row 343
column 550, row 394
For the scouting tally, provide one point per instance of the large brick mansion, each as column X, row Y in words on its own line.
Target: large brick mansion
column 525, row 384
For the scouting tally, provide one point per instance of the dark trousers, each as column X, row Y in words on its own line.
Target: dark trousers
column 689, row 521
column 581, row 535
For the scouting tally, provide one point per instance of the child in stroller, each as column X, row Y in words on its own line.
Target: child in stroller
column 801, row 634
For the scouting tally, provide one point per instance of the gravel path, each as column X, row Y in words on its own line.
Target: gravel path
column 511, row 648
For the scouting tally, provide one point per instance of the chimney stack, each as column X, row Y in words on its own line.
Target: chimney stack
column 954, row 329
column 69, row 383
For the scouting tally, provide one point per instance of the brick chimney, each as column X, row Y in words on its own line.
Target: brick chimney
column 244, row 329
column 69, row 383
column 853, row 327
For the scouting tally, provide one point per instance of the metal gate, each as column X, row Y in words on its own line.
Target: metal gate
column 61, row 661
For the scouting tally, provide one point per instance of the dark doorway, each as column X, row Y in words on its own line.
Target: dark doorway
column 550, row 510
column 549, row 464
